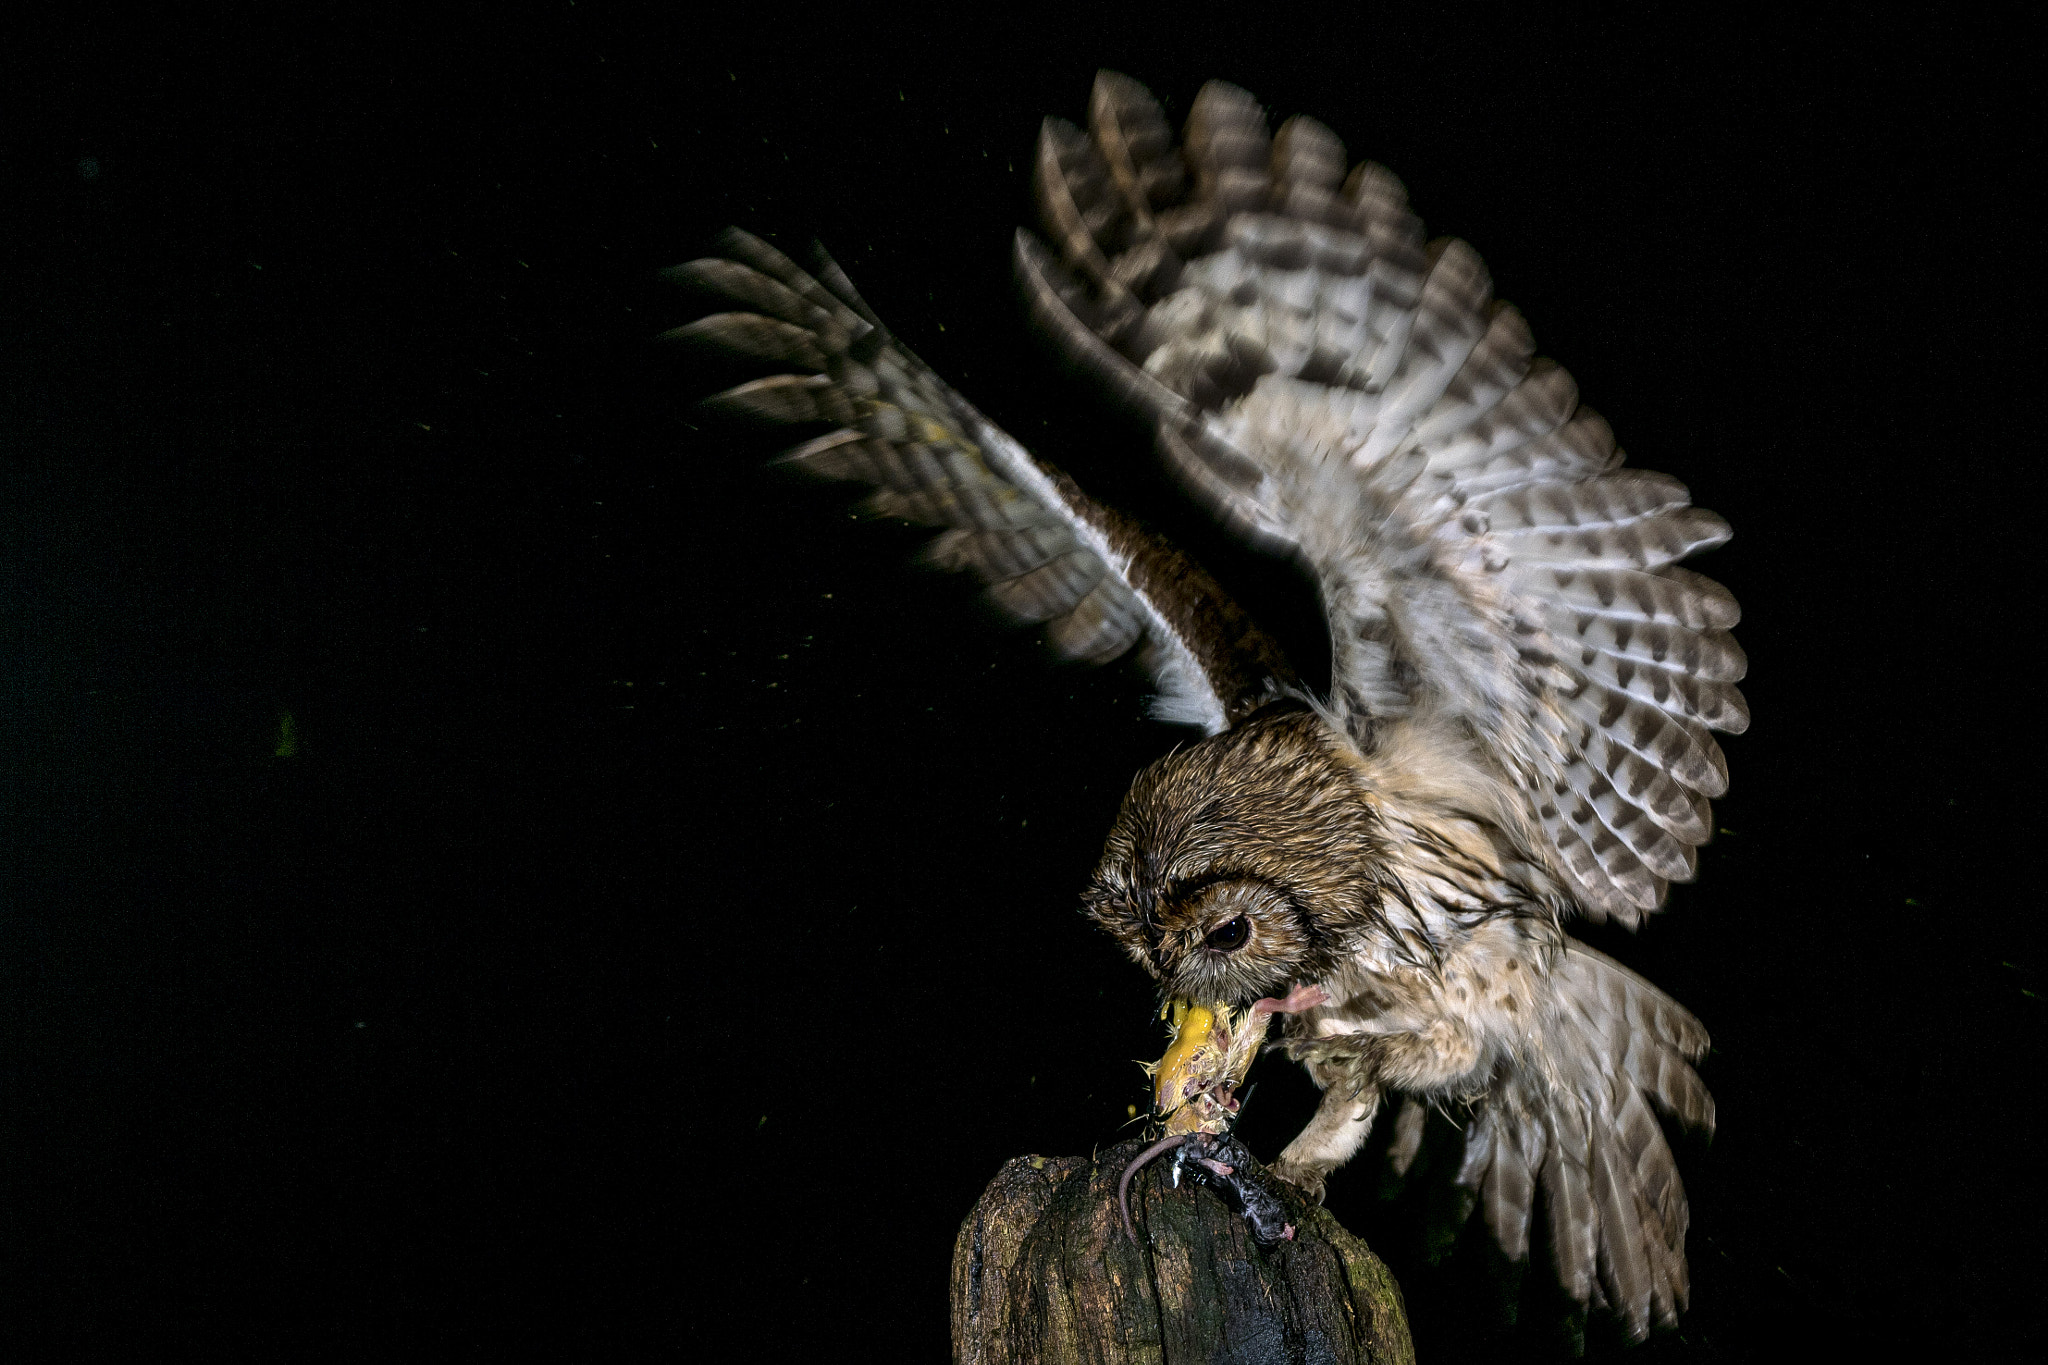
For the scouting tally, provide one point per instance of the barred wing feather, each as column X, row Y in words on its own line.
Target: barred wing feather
column 1337, row 386
column 1049, row 553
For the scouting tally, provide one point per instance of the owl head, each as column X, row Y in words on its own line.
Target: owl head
column 1243, row 864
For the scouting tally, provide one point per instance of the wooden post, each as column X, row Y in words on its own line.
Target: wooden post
column 1043, row 1271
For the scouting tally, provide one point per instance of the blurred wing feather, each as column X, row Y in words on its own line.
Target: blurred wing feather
column 1049, row 554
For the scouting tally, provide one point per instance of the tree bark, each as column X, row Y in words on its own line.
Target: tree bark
column 1043, row 1271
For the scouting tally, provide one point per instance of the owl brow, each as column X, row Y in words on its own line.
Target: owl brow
column 1186, row 888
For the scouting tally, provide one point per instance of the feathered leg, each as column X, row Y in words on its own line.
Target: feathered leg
column 1344, row 1069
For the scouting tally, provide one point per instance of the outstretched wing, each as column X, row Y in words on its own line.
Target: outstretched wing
column 1049, row 552
column 1336, row 386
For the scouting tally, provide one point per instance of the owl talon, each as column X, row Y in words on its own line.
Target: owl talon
column 1303, row 1178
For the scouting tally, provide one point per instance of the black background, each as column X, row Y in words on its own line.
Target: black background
column 664, row 926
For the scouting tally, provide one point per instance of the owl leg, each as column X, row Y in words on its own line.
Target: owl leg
column 1351, row 1097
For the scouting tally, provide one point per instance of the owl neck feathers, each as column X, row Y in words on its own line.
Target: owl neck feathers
column 1455, row 853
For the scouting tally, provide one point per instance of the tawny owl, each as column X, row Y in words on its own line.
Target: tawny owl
column 1523, row 682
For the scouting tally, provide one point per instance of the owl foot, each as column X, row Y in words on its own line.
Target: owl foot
column 1307, row 1179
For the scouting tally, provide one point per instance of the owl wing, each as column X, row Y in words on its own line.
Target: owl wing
column 1049, row 553
column 1335, row 386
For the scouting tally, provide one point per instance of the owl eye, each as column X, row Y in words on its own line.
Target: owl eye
column 1230, row 937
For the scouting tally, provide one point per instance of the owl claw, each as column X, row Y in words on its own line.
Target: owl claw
column 1305, row 1179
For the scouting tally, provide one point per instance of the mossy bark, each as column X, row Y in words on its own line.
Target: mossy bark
column 1043, row 1271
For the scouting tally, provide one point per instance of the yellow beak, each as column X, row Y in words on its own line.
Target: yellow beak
column 1213, row 1047
column 1191, row 1060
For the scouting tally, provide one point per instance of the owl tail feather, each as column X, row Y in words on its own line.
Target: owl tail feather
column 1573, row 1115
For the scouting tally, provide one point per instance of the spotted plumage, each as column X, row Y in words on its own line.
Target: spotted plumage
column 1524, row 682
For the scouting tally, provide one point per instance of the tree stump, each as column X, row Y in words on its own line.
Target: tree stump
column 1043, row 1271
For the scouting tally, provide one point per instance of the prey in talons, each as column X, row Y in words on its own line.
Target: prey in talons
column 1195, row 1101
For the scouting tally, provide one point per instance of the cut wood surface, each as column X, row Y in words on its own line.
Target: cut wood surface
column 1044, row 1271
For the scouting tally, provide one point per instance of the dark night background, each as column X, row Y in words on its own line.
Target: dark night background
column 664, row 926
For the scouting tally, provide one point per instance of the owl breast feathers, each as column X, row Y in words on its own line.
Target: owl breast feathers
column 1524, row 683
